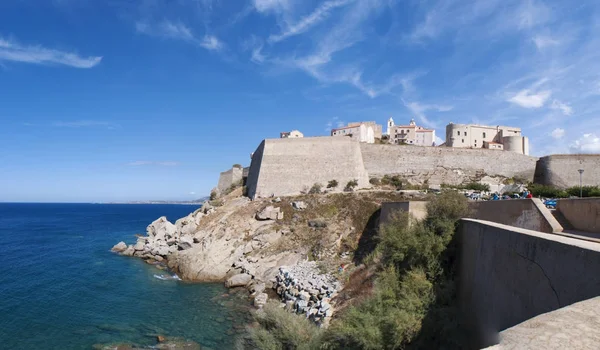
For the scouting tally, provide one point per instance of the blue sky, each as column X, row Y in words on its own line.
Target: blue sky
column 134, row 100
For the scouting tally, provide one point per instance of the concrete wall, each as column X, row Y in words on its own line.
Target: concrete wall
column 445, row 164
column 561, row 170
column 416, row 209
column 529, row 214
column 287, row 166
column 582, row 213
column 228, row 178
column 508, row 275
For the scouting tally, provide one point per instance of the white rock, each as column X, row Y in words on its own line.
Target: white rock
column 260, row 300
column 119, row 247
column 238, row 280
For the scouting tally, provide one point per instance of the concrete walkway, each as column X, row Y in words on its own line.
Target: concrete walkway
column 573, row 327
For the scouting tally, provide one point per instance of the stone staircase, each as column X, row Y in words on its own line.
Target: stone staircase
column 561, row 220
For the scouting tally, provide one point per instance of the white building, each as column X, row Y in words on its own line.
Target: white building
column 291, row 134
column 482, row 136
column 410, row 134
column 361, row 131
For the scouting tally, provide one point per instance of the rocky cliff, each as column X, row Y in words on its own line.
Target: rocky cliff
column 245, row 243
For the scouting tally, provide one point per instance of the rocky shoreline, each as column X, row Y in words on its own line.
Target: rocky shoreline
column 182, row 247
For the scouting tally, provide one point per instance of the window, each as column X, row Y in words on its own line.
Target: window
column 458, row 133
column 465, row 133
column 484, row 135
column 463, row 140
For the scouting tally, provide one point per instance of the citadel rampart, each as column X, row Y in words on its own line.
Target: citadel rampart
column 288, row 166
column 560, row 170
column 445, row 164
column 229, row 177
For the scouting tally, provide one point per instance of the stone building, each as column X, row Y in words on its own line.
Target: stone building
column 482, row 136
column 290, row 134
column 410, row 134
column 362, row 131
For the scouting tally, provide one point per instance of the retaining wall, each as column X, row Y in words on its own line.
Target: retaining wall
column 228, row 178
column 508, row 275
column 560, row 170
column 416, row 209
column 582, row 213
column 288, row 166
column 445, row 164
column 527, row 213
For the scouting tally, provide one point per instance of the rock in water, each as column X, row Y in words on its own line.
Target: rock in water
column 260, row 300
column 119, row 247
column 129, row 251
column 239, row 280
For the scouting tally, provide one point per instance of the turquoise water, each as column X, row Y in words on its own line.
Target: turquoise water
column 62, row 288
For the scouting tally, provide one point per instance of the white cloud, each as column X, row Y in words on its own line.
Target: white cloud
column 271, row 5
column 192, row 193
column 542, row 41
column 147, row 162
column 528, row 99
column 565, row 108
column 419, row 110
column 558, row 133
column 532, row 13
column 178, row 31
column 210, row 42
column 13, row 51
column 317, row 16
column 588, row 143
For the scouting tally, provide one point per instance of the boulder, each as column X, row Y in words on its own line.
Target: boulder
column 256, row 287
column 161, row 229
column 260, row 300
column 269, row 213
column 119, row 247
column 299, row 205
column 129, row 251
column 239, row 280
column 184, row 245
column 139, row 245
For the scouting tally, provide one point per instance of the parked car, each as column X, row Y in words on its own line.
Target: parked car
column 550, row 203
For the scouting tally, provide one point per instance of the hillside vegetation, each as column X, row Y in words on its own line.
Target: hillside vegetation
column 413, row 301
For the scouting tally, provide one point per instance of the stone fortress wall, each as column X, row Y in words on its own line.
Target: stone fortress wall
column 288, row 166
column 229, row 177
column 445, row 164
column 560, row 170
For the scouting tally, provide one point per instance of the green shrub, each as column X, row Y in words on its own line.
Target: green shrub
column 332, row 184
column 476, row 186
column 213, row 195
column 586, row 191
column 414, row 303
column 395, row 181
column 315, row 189
column 280, row 329
column 374, row 181
column 351, row 185
column 538, row 190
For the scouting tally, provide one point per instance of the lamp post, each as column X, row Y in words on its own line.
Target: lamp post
column 580, row 183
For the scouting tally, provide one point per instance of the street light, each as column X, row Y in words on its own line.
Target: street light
column 580, row 183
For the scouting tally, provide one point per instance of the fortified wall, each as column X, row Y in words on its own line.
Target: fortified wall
column 560, row 170
column 447, row 165
column 229, row 177
column 288, row 166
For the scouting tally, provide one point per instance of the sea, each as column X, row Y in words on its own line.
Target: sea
column 62, row 288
